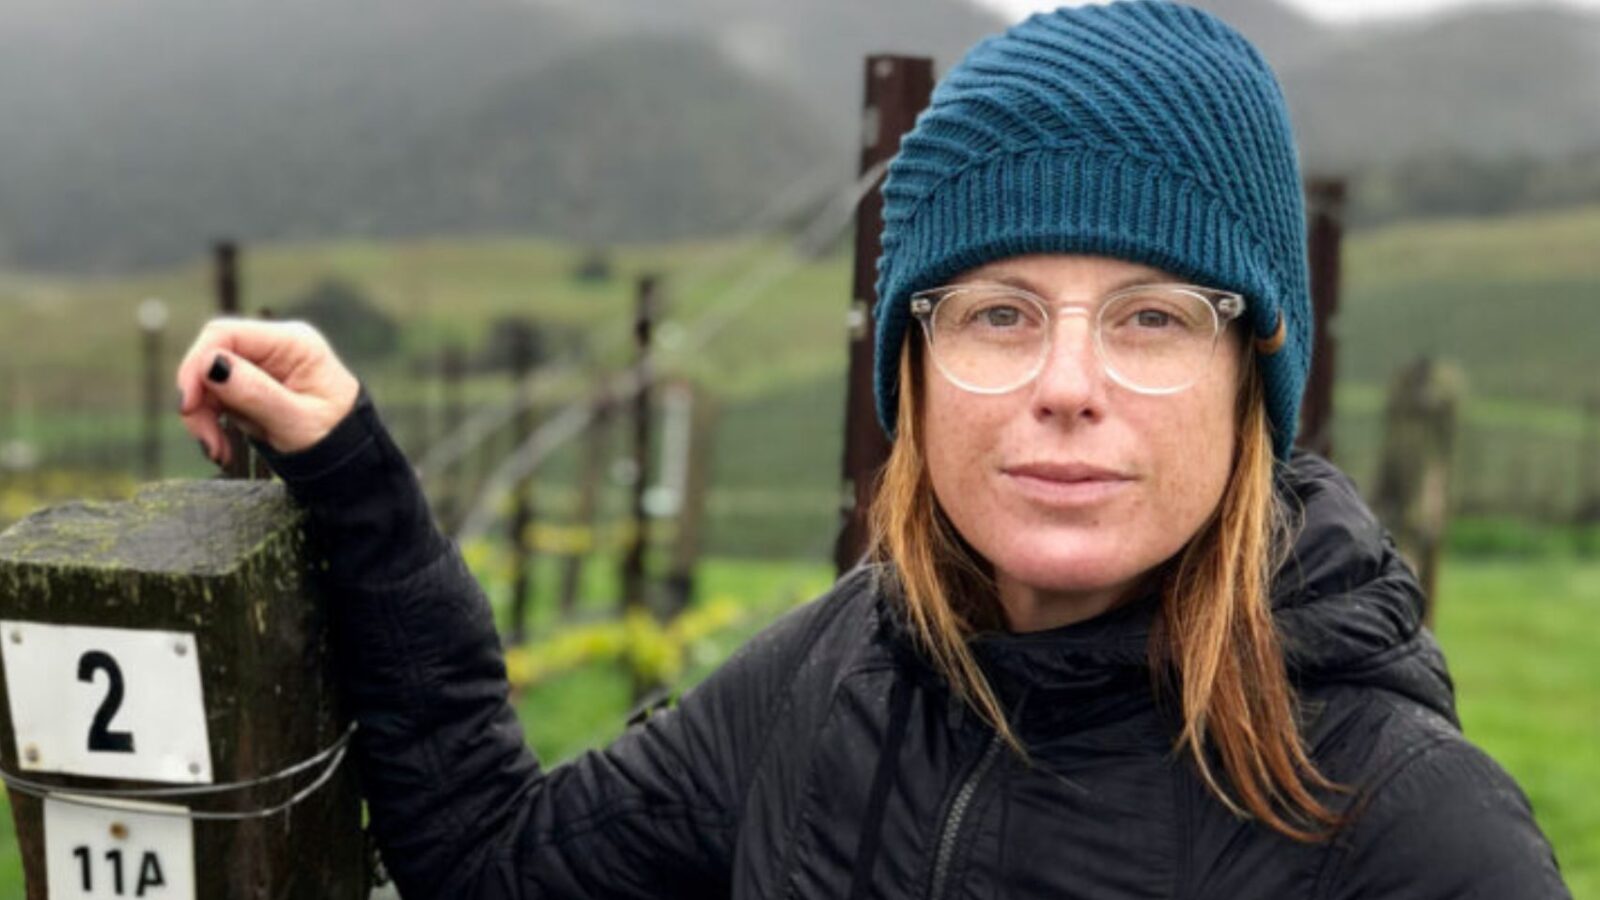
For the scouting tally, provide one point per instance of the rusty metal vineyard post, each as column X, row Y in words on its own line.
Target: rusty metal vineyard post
column 897, row 89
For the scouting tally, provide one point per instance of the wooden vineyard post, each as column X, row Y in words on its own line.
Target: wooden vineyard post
column 1325, row 236
column 174, row 641
column 634, row 570
column 152, row 316
column 897, row 88
column 523, row 551
column 596, row 450
column 1413, row 491
column 634, row 584
column 691, row 494
column 453, row 501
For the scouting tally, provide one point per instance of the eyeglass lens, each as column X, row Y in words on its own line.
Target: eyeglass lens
column 1155, row 340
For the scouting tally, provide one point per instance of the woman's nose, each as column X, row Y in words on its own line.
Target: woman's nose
column 1072, row 381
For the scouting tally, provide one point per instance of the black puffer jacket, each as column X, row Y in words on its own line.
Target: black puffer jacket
column 825, row 760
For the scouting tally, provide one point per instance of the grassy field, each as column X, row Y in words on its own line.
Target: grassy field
column 1521, row 641
column 1520, row 638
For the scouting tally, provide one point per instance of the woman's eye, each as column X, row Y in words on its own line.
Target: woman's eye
column 1000, row 316
column 1152, row 318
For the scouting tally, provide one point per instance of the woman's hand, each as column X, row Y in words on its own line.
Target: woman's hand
column 280, row 382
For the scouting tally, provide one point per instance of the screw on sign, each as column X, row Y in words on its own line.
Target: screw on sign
column 138, row 850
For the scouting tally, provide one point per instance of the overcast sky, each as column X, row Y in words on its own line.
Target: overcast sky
column 1328, row 10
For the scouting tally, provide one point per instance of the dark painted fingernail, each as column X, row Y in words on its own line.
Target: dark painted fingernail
column 220, row 369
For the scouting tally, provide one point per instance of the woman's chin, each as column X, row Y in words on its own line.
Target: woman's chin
column 1076, row 573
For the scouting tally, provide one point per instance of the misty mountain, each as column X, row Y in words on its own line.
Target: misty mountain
column 817, row 46
column 634, row 138
column 133, row 134
column 1494, row 83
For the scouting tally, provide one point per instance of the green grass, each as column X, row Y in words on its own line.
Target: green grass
column 1521, row 640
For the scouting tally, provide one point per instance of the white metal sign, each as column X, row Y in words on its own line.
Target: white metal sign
column 128, row 852
column 107, row 702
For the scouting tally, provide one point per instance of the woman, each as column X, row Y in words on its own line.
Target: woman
column 1115, row 640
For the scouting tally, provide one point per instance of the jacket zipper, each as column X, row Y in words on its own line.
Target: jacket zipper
column 952, row 822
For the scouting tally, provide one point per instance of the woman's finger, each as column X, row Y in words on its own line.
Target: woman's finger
column 247, row 393
column 278, row 348
column 202, row 421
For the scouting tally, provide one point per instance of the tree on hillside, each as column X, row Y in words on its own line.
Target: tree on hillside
column 351, row 322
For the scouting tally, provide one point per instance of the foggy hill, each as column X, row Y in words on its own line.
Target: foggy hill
column 134, row 133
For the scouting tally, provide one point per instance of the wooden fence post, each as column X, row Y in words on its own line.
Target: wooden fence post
column 635, row 585
column 152, row 315
column 523, row 551
column 897, row 88
column 1325, row 209
column 691, row 499
column 174, row 641
column 452, row 480
column 1413, row 489
column 634, row 591
column 596, row 450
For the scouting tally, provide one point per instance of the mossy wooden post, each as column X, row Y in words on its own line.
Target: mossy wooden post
column 1413, row 492
column 223, row 563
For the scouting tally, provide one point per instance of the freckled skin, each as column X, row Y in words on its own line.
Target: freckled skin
column 1055, row 564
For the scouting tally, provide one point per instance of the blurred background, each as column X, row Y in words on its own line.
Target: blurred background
column 477, row 200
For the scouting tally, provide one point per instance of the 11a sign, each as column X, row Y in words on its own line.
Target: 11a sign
column 96, row 853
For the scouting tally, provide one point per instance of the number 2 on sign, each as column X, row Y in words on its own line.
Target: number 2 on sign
column 149, row 872
column 101, row 737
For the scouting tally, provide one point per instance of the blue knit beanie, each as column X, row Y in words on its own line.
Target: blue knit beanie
column 1144, row 130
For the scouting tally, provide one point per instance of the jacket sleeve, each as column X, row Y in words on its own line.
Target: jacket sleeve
column 458, row 803
column 1448, row 823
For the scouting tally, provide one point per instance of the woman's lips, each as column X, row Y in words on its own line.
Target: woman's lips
column 1066, row 484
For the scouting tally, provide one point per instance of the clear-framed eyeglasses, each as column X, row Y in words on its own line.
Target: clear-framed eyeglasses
column 991, row 338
